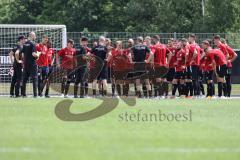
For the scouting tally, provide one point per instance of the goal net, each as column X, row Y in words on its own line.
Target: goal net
column 8, row 39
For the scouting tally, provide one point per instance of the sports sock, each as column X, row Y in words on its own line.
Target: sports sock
column 220, row 89
column 63, row 85
column 67, row 88
column 166, row 88
column 229, row 85
column 75, row 90
column 155, row 87
column 119, row 90
column 202, row 87
column 113, row 89
column 94, row 92
column 224, row 89
column 175, row 86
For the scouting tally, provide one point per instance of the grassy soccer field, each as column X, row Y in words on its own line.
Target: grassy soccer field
column 30, row 130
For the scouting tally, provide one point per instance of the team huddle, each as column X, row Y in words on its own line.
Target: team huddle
column 147, row 64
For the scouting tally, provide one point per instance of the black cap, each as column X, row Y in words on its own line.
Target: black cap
column 21, row 37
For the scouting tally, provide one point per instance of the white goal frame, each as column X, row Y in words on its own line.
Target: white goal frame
column 8, row 38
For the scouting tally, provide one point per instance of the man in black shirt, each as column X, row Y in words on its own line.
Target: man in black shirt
column 102, row 53
column 139, row 52
column 16, row 57
column 81, row 66
column 30, row 66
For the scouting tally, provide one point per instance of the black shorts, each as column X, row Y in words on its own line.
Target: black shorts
column 229, row 71
column 80, row 75
column 150, row 71
column 208, row 75
column 160, row 71
column 50, row 70
column 200, row 75
column 189, row 72
column 192, row 72
column 180, row 75
column 139, row 72
column 17, row 73
column 70, row 74
column 103, row 75
column 222, row 71
column 30, row 71
column 43, row 72
column 170, row 74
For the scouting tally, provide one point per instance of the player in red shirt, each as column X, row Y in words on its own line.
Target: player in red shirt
column 180, row 74
column 219, row 63
column 67, row 64
column 188, row 74
column 42, row 63
column 127, row 52
column 201, row 72
column 194, row 62
column 232, row 55
column 208, row 69
column 119, row 63
column 172, row 58
column 160, row 61
column 51, row 60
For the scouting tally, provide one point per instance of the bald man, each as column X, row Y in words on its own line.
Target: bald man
column 30, row 66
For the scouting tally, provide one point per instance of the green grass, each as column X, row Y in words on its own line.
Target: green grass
column 30, row 130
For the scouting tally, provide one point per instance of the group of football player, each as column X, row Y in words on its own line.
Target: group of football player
column 31, row 60
column 144, row 64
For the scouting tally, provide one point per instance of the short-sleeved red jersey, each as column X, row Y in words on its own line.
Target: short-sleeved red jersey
column 173, row 51
column 43, row 58
column 180, row 64
column 67, row 55
column 50, row 54
column 120, row 60
column 206, row 64
column 223, row 48
column 188, row 56
column 231, row 54
column 218, row 56
column 160, row 55
column 192, row 48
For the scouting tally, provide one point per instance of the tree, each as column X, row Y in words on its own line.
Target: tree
column 22, row 11
column 126, row 15
column 222, row 15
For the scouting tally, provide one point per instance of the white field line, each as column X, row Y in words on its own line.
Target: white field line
column 20, row 150
column 146, row 150
column 191, row 150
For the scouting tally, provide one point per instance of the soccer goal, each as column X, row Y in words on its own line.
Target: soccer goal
column 8, row 39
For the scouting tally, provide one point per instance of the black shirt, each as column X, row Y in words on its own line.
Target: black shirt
column 139, row 52
column 100, row 51
column 15, row 48
column 81, row 51
column 28, row 48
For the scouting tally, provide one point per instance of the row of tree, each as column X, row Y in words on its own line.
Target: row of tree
column 127, row 15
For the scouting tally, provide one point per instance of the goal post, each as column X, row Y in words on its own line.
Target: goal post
column 8, row 39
